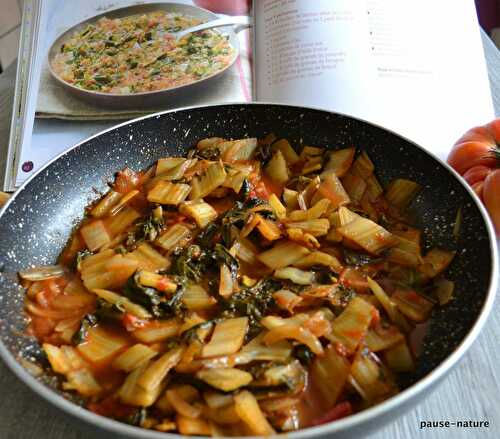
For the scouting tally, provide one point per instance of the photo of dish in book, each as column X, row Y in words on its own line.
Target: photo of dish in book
column 139, row 53
column 247, row 288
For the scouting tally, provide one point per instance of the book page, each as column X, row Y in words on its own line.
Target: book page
column 309, row 53
column 62, row 119
column 414, row 67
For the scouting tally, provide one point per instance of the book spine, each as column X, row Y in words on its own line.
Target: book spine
column 30, row 27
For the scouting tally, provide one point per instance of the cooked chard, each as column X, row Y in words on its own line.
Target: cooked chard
column 105, row 204
column 227, row 338
column 286, row 149
column 200, row 211
column 185, row 392
column 101, row 345
column 287, row 300
column 83, row 382
column 277, row 168
column 444, row 291
column 399, row 358
column 331, row 188
column 227, row 379
column 212, row 178
column 350, row 327
column 131, row 393
column 413, row 305
column 315, row 227
column 340, row 161
column 290, row 198
column 216, row 294
column 314, row 212
column 355, row 186
column 331, row 364
column 42, row 273
column 383, row 336
column 157, row 370
column 173, row 236
column 401, row 192
column 295, row 275
column 368, row 235
column 165, row 192
column 157, row 331
column 241, row 149
column 319, row 258
column 436, row 261
column 370, row 377
column 95, row 235
column 134, row 357
column 149, row 258
column 120, row 222
column 157, row 281
column 283, row 254
column 196, row 298
column 249, row 411
column 167, row 164
column 122, row 302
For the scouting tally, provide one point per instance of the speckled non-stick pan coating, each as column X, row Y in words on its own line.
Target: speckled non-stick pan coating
column 37, row 223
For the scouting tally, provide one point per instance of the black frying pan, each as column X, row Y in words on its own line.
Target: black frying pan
column 36, row 223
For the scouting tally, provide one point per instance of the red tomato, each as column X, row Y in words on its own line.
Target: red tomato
column 476, row 173
column 476, row 156
column 491, row 197
column 375, row 317
column 477, row 187
column 478, row 146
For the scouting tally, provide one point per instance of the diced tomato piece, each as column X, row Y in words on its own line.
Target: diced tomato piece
column 163, row 284
column 350, row 277
column 261, row 191
column 341, row 349
column 131, row 322
column 126, row 180
column 375, row 317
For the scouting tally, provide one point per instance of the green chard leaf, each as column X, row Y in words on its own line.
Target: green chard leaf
column 154, row 301
column 87, row 322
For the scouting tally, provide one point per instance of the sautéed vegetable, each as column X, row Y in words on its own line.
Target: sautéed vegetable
column 245, row 289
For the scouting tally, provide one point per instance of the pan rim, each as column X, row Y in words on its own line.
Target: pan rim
column 406, row 396
column 121, row 97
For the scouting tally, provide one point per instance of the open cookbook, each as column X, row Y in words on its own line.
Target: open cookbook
column 416, row 68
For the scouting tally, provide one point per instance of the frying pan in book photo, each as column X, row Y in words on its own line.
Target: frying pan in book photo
column 144, row 99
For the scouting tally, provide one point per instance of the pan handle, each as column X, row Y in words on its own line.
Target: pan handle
column 239, row 22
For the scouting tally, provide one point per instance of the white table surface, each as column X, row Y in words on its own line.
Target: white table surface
column 470, row 392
